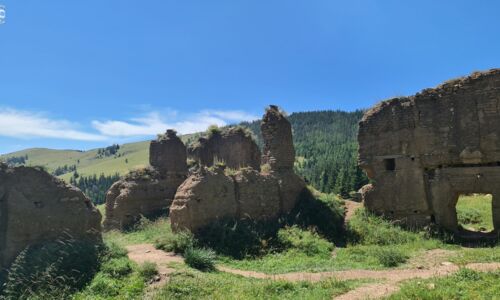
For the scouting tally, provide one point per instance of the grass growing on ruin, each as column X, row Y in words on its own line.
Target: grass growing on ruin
column 465, row 284
column 191, row 284
column 475, row 212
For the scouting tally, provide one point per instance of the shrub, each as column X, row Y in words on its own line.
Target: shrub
column 117, row 267
column 390, row 257
column 306, row 241
column 148, row 270
column 201, row 259
column 469, row 216
column 52, row 269
column 213, row 130
column 177, row 243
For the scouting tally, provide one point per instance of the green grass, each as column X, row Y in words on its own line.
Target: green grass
column 373, row 244
column 216, row 285
column 144, row 232
column 465, row 284
column 477, row 255
column 118, row 278
column 475, row 211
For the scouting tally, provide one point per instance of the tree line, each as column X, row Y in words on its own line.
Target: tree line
column 95, row 187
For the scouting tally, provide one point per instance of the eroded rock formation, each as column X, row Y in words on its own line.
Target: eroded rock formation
column 212, row 193
column 423, row 151
column 148, row 192
column 36, row 207
column 234, row 146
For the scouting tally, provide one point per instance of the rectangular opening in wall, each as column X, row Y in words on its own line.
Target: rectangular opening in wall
column 390, row 164
column 474, row 212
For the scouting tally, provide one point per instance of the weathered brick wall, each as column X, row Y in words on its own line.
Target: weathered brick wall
column 456, row 124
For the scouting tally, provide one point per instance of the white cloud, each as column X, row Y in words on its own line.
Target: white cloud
column 25, row 124
column 153, row 123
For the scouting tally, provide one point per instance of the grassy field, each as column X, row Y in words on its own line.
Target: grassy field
column 465, row 284
column 475, row 212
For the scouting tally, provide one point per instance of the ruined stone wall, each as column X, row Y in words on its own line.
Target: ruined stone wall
column 210, row 194
column 148, row 192
column 279, row 151
column 36, row 207
column 233, row 146
column 167, row 154
column 415, row 149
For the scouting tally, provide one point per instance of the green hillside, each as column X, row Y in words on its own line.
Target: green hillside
column 325, row 143
column 87, row 163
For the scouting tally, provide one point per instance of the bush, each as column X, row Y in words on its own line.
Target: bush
column 306, row 241
column 117, row 267
column 54, row 269
column 390, row 257
column 177, row 243
column 148, row 270
column 213, row 130
column 469, row 216
column 201, row 259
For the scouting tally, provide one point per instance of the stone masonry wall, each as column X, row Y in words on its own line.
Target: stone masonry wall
column 233, row 146
column 423, row 151
column 211, row 194
column 150, row 191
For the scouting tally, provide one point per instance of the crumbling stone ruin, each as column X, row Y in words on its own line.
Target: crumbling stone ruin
column 148, row 192
column 422, row 152
column 213, row 193
column 233, row 146
column 36, row 207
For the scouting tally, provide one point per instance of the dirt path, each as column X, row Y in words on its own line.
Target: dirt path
column 148, row 253
column 350, row 209
column 428, row 265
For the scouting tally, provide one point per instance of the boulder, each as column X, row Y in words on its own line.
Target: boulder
column 36, row 207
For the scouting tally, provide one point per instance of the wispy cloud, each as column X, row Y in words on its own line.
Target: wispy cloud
column 25, row 124
column 153, row 123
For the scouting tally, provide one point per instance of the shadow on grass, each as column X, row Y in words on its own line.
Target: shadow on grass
column 248, row 237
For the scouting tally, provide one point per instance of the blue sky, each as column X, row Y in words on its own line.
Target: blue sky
column 84, row 74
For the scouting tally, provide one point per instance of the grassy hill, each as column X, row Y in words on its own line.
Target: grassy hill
column 87, row 163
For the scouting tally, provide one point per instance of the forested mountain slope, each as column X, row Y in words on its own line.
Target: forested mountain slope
column 325, row 142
